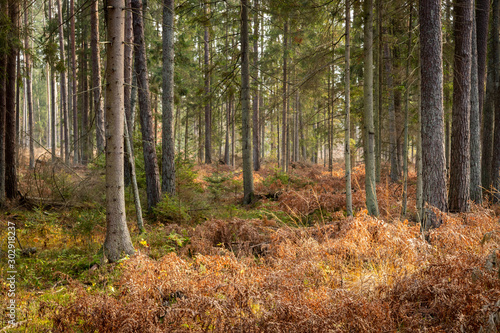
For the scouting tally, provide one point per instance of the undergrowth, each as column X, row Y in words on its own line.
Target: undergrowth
column 291, row 262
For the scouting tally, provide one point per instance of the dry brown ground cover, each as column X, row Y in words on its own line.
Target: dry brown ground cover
column 297, row 265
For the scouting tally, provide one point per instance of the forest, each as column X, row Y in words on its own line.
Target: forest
column 250, row 166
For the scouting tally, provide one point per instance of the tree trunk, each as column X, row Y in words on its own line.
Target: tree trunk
column 285, row 100
column 392, row 115
column 489, row 102
column 148, row 147
column 460, row 136
column 29, row 97
column 371, row 190
column 129, row 44
column 433, row 158
column 76, row 157
column 482, row 18
column 117, row 239
column 3, row 106
column 96, row 76
column 245, row 108
column 347, row 126
column 476, row 193
column 420, row 185
column 208, row 106
column 168, row 152
column 10, row 118
column 255, row 104
column 64, row 96
column 407, row 97
column 379, row 94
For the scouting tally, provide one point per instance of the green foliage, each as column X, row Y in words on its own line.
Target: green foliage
column 171, row 210
column 216, row 185
column 87, row 220
column 277, row 177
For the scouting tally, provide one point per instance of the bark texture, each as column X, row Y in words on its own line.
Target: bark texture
column 148, row 146
column 96, row 76
column 117, row 240
column 347, row 142
column 168, row 155
column 371, row 190
column 245, row 108
column 431, row 69
column 476, row 193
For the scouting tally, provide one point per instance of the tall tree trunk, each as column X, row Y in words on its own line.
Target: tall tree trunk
column 117, row 239
column 433, row 158
column 64, row 96
column 418, row 162
column 148, row 147
column 96, row 76
column 371, row 190
column 379, row 93
column 86, row 142
column 255, row 103
column 407, row 98
column 392, row 115
column 476, row 193
column 3, row 106
column 245, row 108
column 208, row 106
column 76, row 157
column 168, row 152
column 29, row 97
column 347, row 126
column 10, row 118
column 482, row 18
column 489, row 102
column 285, row 100
column 460, row 136
column 129, row 44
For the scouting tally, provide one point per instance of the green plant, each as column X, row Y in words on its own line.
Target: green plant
column 171, row 210
column 277, row 177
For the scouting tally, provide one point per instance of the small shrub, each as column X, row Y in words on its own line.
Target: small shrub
column 171, row 210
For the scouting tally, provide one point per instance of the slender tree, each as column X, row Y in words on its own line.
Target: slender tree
column 168, row 153
column 482, row 18
column 245, row 108
column 29, row 97
column 431, row 69
column 76, row 157
column 371, row 190
column 208, row 106
column 460, row 136
column 146, row 117
column 347, row 143
column 476, row 193
column 3, row 100
column 64, row 96
column 284, row 138
column 96, row 75
column 255, row 102
column 117, row 239
column 10, row 95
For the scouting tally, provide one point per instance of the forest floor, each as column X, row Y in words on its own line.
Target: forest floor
column 290, row 262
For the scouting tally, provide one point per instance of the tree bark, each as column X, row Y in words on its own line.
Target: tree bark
column 245, row 108
column 285, row 100
column 433, row 157
column 392, row 115
column 148, row 147
column 476, row 193
column 29, row 95
column 129, row 44
column 117, row 239
column 76, row 157
column 168, row 152
column 10, row 118
column 482, row 18
column 371, row 190
column 255, row 103
column 96, row 76
column 489, row 102
column 3, row 106
column 64, row 96
column 347, row 126
column 460, row 136
column 208, row 106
